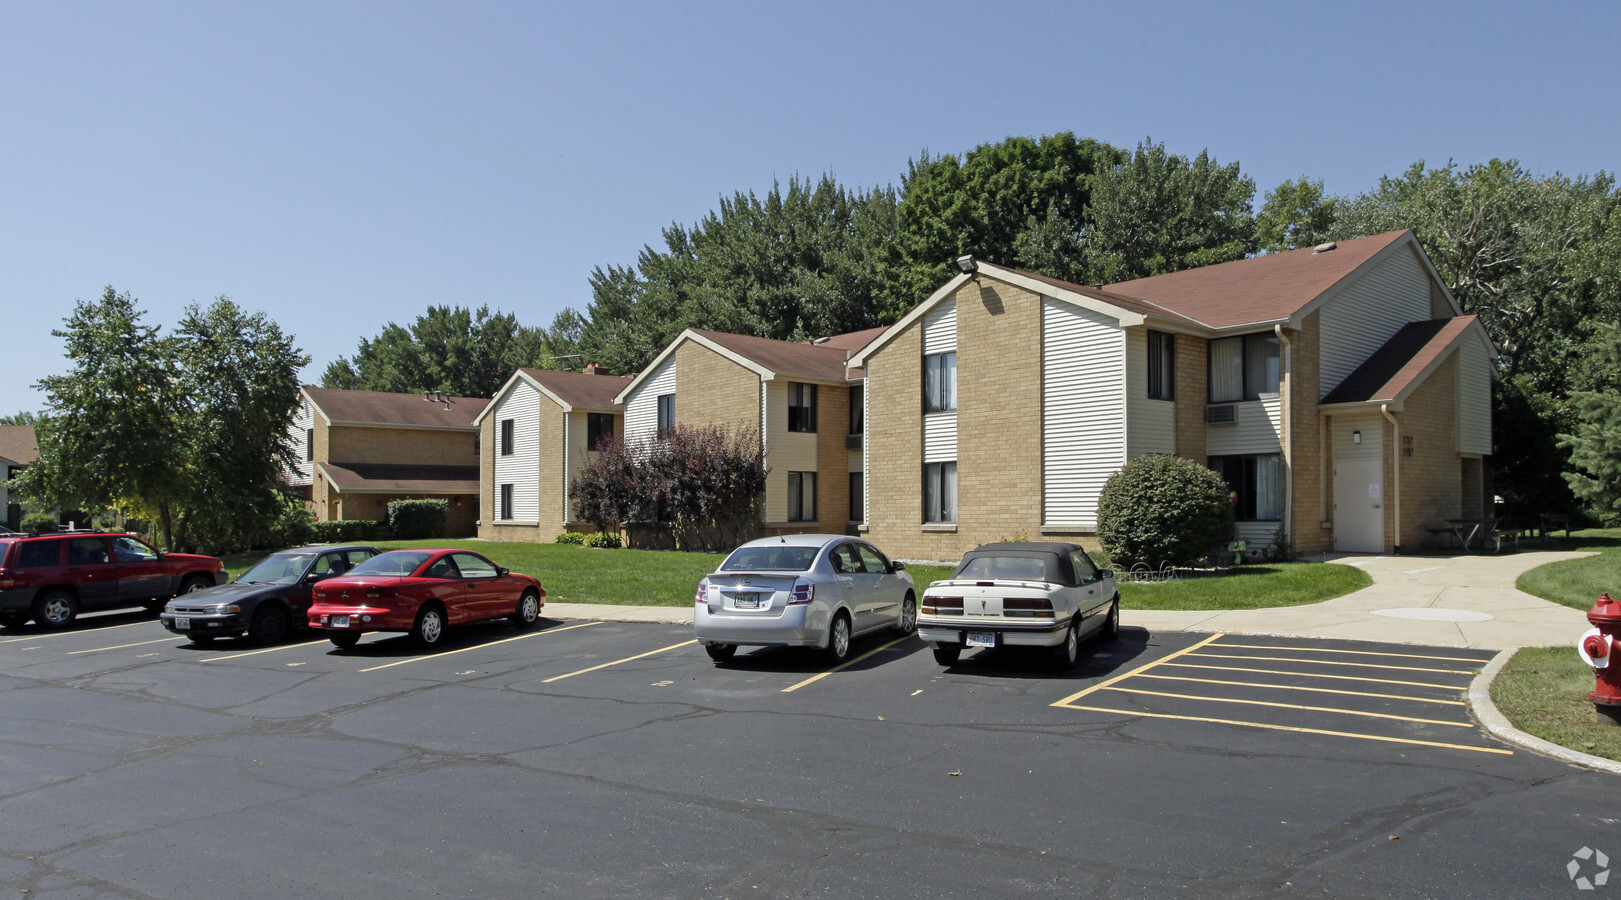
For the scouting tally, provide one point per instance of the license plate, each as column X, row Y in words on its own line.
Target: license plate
column 746, row 601
column 981, row 639
column 182, row 623
column 340, row 621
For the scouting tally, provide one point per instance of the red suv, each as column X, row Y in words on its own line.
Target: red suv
column 51, row 578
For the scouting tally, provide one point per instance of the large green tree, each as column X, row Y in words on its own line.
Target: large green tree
column 457, row 350
column 1595, row 443
column 1297, row 213
column 21, row 418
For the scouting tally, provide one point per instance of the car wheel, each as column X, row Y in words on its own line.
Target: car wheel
column 907, row 623
column 430, row 626
column 55, row 609
column 201, row 640
column 269, row 625
column 947, row 655
column 13, row 619
column 528, row 609
column 838, row 638
column 194, row 584
column 1111, row 626
column 343, row 640
column 1068, row 653
column 720, row 652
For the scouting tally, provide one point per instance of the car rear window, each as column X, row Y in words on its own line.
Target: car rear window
column 1013, row 568
column 37, row 554
column 772, row 558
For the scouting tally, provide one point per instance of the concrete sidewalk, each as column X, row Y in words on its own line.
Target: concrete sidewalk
column 1441, row 601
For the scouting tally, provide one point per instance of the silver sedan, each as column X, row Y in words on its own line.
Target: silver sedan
column 802, row 590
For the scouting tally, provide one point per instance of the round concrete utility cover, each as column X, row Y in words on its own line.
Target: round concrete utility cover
column 1430, row 614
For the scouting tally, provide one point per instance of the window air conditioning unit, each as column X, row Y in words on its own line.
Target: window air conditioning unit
column 1223, row 414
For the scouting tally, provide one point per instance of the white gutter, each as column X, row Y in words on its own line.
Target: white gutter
column 1395, row 458
column 1285, row 411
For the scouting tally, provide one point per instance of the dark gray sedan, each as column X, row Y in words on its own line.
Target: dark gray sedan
column 267, row 601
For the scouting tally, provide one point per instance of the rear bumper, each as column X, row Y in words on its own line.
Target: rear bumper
column 954, row 632
column 19, row 600
column 361, row 618
column 796, row 626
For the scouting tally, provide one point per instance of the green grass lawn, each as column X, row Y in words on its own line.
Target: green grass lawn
column 1577, row 583
column 1543, row 691
column 574, row 574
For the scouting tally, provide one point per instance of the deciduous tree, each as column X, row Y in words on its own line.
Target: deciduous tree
column 457, row 350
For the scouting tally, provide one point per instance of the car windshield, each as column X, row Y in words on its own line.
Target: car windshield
column 397, row 562
column 280, row 568
column 770, row 557
column 1012, row 568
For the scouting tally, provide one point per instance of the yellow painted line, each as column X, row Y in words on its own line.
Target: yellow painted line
column 257, row 652
column 1422, row 684
column 46, row 634
column 844, row 665
column 618, row 661
column 1296, row 687
column 1326, row 709
column 1296, row 729
column 1356, row 652
column 1330, row 662
column 165, row 640
column 1118, row 678
column 521, row 637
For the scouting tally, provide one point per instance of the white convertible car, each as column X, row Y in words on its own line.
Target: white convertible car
column 1020, row 595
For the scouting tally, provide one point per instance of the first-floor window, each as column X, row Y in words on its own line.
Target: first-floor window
column 666, row 412
column 940, row 492
column 801, row 496
column 506, row 501
column 1256, row 485
column 599, row 427
column 855, row 496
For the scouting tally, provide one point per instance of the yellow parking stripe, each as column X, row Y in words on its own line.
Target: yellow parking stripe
column 257, row 652
column 35, row 637
column 509, row 640
column 1355, row 652
column 844, row 665
column 1330, row 662
column 618, row 661
column 1296, row 687
column 1327, row 709
column 1422, row 684
column 1294, row 728
column 1118, row 678
column 122, row 646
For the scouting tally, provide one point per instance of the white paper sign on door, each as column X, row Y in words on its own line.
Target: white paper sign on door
column 1373, row 492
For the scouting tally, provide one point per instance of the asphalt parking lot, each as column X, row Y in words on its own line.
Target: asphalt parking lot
column 608, row 759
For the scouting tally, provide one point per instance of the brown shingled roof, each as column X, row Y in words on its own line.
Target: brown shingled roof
column 1259, row 289
column 784, row 357
column 1130, row 304
column 378, row 408
column 579, row 389
column 18, row 444
column 1398, row 365
column 853, row 341
column 372, row 478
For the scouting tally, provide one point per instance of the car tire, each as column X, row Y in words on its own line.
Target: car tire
column 12, row 619
column 194, row 583
column 429, row 628
column 269, row 625
column 343, row 640
column 54, row 610
column 1067, row 654
column 201, row 640
column 838, row 638
column 1111, row 626
column 528, row 609
column 720, row 652
column 947, row 654
column 907, row 623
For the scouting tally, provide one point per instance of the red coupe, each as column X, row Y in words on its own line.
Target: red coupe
column 421, row 592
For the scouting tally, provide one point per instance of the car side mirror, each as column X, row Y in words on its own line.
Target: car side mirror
column 502, row 570
column 897, row 567
column 313, row 577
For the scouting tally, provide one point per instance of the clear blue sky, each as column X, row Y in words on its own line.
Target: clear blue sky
column 342, row 165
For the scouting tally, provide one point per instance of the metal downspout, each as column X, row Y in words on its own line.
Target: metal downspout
column 1287, row 404
column 1395, row 461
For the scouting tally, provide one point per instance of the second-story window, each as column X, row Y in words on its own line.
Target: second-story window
column 508, row 431
column 309, row 444
column 1161, row 366
column 940, row 382
column 666, row 412
column 858, row 410
column 599, row 427
column 1243, row 368
column 801, row 407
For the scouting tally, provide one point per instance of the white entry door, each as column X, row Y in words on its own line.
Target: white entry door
column 1359, row 506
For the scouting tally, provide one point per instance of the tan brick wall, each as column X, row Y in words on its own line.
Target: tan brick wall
column 551, row 502
column 1308, row 457
column 486, row 481
column 713, row 390
column 398, row 446
column 1432, row 476
column 1192, row 391
column 999, row 475
column 832, row 459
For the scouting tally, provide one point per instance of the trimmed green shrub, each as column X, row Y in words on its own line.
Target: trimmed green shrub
column 413, row 520
column 607, row 540
column 343, row 531
column 40, row 523
column 1164, row 509
column 570, row 537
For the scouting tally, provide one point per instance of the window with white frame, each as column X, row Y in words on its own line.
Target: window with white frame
column 1243, row 368
column 940, row 492
column 940, row 382
column 1256, row 485
column 801, row 407
column 801, row 496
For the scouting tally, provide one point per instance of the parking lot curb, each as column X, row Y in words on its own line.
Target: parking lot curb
column 1480, row 703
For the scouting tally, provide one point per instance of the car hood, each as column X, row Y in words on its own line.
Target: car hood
column 226, row 593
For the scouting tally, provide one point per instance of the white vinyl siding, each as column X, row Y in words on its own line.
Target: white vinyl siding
column 521, row 468
column 303, row 471
column 1257, row 428
column 940, row 328
column 940, row 429
column 1150, row 424
column 939, row 437
column 1083, row 410
column 642, row 406
column 1474, row 398
column 866, row 464
column 790, row 451
column 1360, row 318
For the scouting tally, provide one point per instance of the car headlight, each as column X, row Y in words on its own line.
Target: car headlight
column 224, row 609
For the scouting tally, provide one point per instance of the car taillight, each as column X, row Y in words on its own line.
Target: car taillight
column 1027, row 607
column 319, row 594
column 804, row 592
column 943, row 606
column 7, row 582
column 703, row 592
column 380, row 593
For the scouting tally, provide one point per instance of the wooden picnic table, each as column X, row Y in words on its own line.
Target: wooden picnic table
column 1487, row 530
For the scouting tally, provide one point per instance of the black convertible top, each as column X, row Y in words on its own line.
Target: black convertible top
column 1022, row 561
